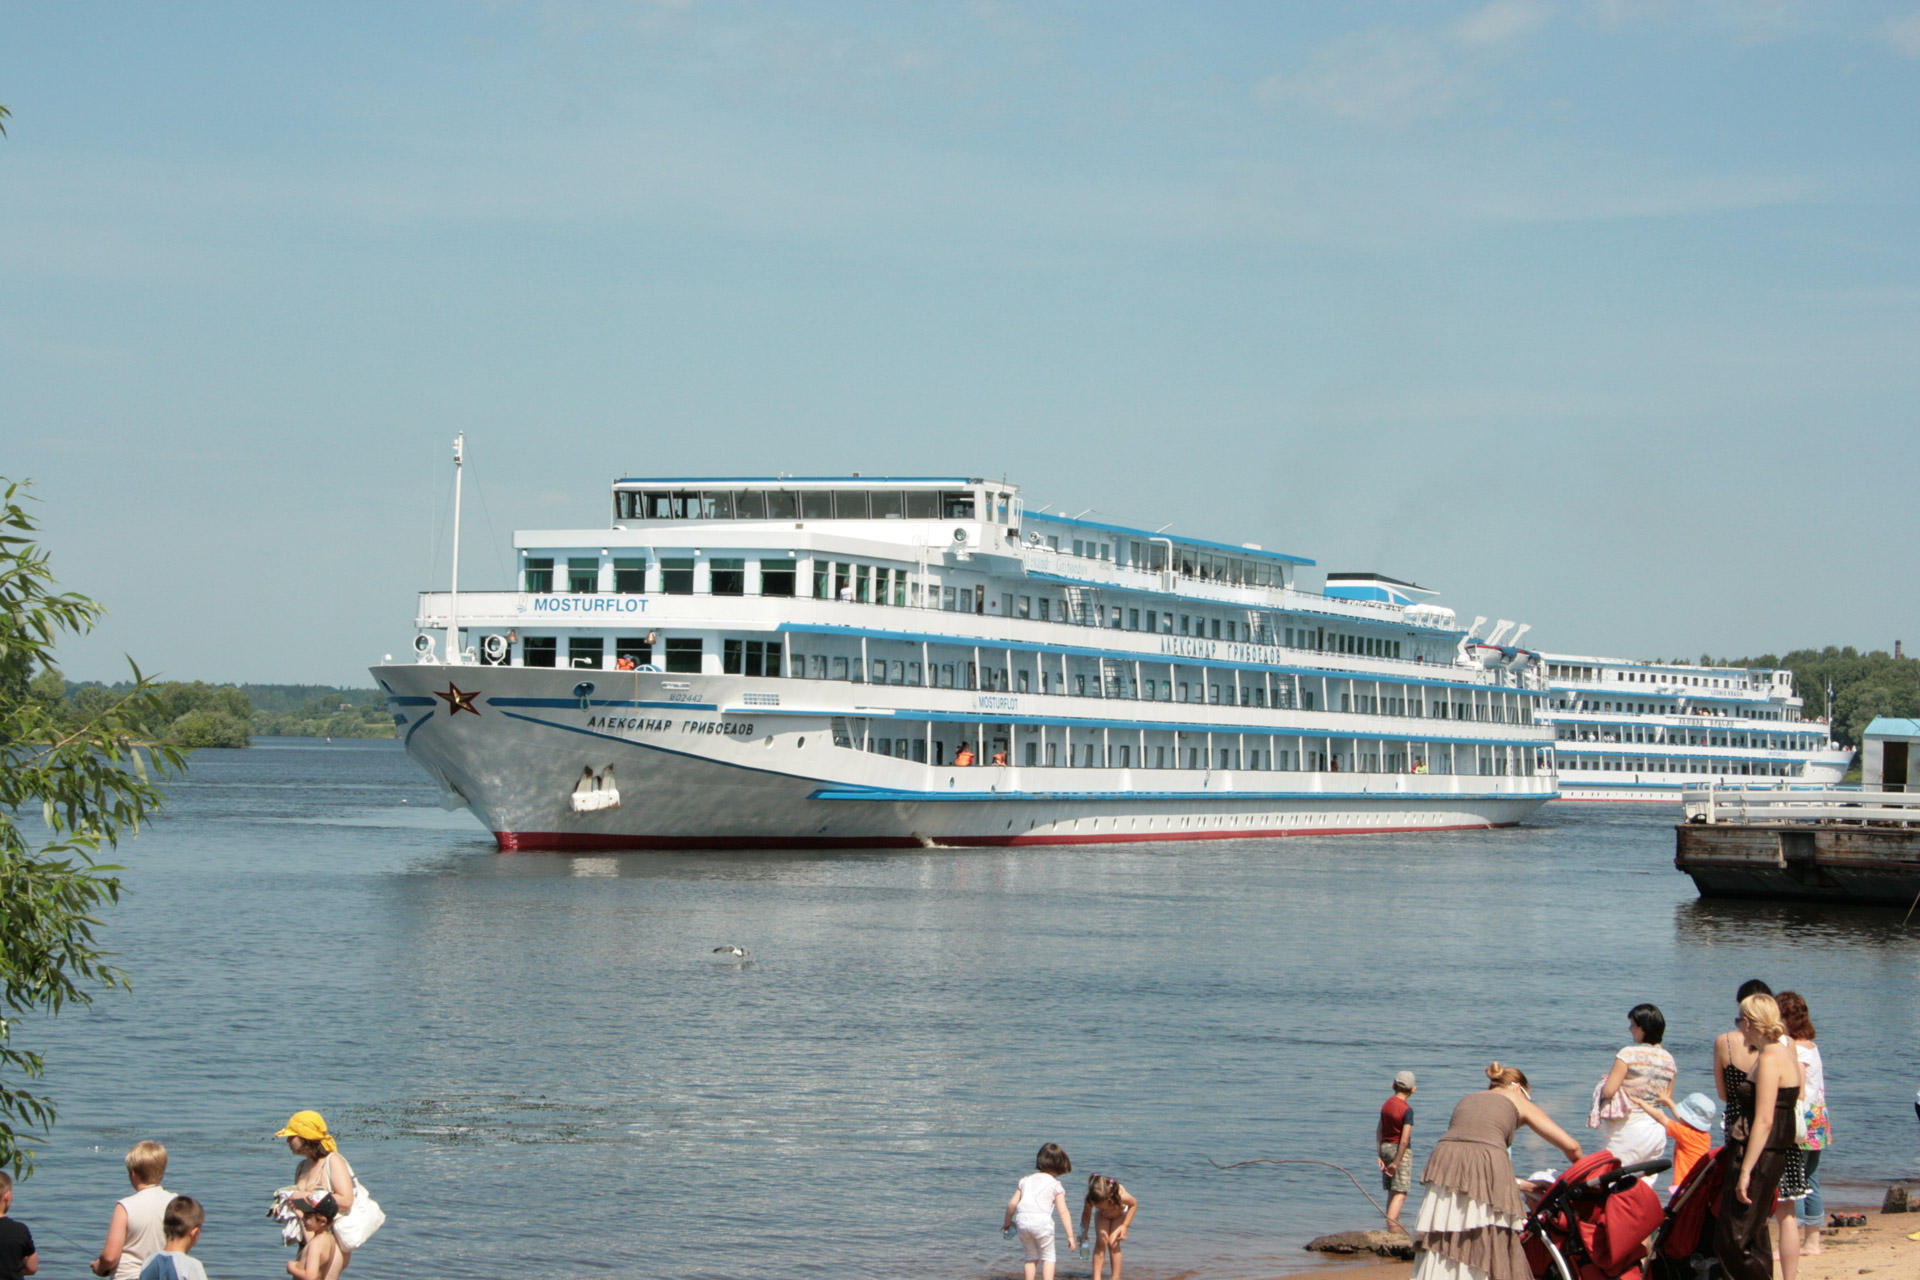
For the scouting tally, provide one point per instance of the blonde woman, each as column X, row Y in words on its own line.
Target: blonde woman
column 1469, row 1226
column 1762, row 1078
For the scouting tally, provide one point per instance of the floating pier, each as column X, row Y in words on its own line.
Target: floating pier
column 1818, row 844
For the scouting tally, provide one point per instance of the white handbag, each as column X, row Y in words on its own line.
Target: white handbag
column 354, row 1227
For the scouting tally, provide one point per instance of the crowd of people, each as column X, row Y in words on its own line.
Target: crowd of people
column 152, row 1232
column 1768, row 1074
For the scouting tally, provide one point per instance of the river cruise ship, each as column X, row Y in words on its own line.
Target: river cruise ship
column 856, row 661
column 1626, row 730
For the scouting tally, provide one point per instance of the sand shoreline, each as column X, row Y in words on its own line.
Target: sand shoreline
column 1881, row 1249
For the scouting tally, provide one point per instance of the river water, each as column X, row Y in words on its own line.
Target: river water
column 537, row 1065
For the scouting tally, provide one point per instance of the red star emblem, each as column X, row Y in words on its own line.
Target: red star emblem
column 457, row 700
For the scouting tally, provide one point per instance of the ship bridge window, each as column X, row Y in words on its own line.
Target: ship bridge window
column 750, row 504
column 585, row 651
column 729, row 577
column 887, row 504
column 851, row 504
column 776, row 577
column 923, row 504
column 684, row 655
column 782, row 505
column 630, row 576
column 676, row 577
column 540, row 573
column 956, row 505
column 583, row 574
column 816, row 504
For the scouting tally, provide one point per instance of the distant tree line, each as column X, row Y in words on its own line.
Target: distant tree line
column 1865, row 685
column 197, row 714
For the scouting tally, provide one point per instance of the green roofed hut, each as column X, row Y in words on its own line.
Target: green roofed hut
column 1887, row 755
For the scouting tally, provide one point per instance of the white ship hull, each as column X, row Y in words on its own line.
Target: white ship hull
column 705, row 762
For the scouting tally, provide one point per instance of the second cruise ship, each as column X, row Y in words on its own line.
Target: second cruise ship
column 1627, row 730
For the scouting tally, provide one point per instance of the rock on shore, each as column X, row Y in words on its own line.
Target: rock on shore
column 1385, row 1244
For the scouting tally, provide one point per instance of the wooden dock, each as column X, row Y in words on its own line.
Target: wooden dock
column 1817, row 844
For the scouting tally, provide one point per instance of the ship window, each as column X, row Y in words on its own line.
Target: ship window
column 816, row 504
column 913, row 673
column 1229, row 630
column 840, row 669
column 1023, row 608
column 820, row 579
column 653, row 505
column 585, row 651
column 676, row 577
column 946, row 675
column 684, row 655
column 1046, row 609
column 776, row 577
column 583, row 574
column 879, row 673
column 732, row 656
column 819, row 666
column 683, row 505
column 539, row 651
column 1184, row 692
column 1183, row 624
column 729, row 577
column 1079, row 686
column 717, row 506
column 634, row 649
column 782, row 505
column 899, row 589
column 850, row 504
column 899, row 673
column 630, row 576
column 923, row 504
column 957, row 505
column 540, row 573
column 750, row 504
column 887, row 505
column 863, row 583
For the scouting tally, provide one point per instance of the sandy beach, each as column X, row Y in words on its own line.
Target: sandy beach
column 1881, row 1249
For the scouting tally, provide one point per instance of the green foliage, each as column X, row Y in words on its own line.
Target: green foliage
column 203, row 728
column 1865, row 685
column 325, row 713
column 90, row 780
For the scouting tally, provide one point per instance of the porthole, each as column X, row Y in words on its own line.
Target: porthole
column 801, row 743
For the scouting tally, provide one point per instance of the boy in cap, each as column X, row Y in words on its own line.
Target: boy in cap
column 1691, row 1128
column 321, row 1257
column 1393, row 1138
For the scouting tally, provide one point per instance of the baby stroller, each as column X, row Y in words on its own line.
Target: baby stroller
column 1593, row 1221
column 1683, row 1249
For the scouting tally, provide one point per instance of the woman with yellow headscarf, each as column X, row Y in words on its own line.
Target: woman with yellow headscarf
column 322, row 1167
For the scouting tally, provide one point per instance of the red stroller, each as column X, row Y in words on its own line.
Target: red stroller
column 1683, row 1250
column 1593, row 1222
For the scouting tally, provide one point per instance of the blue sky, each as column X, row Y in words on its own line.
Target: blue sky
column 1603, row 315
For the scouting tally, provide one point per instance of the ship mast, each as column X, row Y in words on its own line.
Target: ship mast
column 453, row 597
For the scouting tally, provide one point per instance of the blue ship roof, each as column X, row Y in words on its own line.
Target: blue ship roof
column 1234, row 547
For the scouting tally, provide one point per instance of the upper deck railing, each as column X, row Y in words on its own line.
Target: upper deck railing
column 522, row 609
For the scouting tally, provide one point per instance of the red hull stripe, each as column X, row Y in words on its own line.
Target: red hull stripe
column 573, row 841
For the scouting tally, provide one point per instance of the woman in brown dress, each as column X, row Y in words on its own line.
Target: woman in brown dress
column 1762, row 1079
column 1469, row 1227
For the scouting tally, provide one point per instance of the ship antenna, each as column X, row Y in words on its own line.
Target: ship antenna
column 453, row 596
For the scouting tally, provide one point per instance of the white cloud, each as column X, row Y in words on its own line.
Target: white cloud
column 1396, row 74
column 1501, row 22
column 1903, row 34
column 1390, row 74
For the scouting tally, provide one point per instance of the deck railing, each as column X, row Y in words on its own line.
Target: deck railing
column 1785, row 803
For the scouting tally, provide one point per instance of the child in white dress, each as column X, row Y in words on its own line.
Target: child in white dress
column 1031, row 1211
